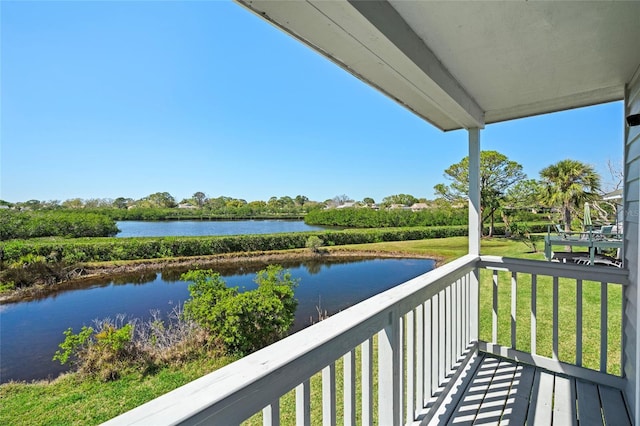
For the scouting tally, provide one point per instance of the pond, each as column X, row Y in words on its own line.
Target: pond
column 32, row 330
column 175, row 228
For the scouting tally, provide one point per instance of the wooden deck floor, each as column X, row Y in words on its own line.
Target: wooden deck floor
column 499, row 391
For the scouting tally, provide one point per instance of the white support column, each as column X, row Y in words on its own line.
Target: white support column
column 475, row 230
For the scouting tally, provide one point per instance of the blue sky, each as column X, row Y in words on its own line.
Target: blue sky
column 124, row 99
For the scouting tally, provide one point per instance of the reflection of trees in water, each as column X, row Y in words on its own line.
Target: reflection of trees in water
column 137, row 278
column 249, row 267
column 312, row 264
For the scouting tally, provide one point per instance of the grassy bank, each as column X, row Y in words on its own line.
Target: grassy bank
column 72, row 400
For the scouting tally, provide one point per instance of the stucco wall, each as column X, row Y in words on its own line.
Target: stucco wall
column 632, row 253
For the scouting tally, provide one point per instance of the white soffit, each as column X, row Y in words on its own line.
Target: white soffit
column 464, row 64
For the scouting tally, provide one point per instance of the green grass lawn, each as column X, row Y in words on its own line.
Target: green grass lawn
column 71, row 400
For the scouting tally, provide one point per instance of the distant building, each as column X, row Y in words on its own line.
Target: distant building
column 398, row 207
column 186, row 206
column 419, row 206
column 347, row 205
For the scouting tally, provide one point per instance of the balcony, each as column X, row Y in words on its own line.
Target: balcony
column 482, row 339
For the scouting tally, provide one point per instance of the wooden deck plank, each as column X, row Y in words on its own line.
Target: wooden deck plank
column 495, row 399
column 447, row 398
column 515, row 411
column 613, row 407
column 465, row 412
column 589, row 413
column 505, row 392
column 564, row 404
column 541, row 399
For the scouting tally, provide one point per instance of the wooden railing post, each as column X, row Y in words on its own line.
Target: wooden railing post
column 367, row 382
column 349, row 388
column 389, row 409
column 303, row 404
column 271, row 414
column 474, row 304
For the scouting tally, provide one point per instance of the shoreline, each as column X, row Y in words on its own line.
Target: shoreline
column 96, row 271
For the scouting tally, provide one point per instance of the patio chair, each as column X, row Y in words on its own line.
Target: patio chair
column 605, row 231
column 560, row 230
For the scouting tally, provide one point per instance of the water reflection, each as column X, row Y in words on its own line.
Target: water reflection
column 31, row 330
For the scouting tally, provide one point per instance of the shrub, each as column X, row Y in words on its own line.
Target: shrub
column 369, row 218
column 72, row 344
column 242, row 321
column 72, row 224
column 108, row 249
column 314, row 243
column 104, row 352
column 33, row 268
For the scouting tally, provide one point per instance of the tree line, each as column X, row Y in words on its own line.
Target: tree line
column 369, row 218
column 506, row 193
column 36, row 224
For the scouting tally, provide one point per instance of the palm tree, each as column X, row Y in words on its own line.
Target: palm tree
column 569, row 184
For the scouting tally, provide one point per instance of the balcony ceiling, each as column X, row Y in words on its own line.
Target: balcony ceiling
column 466, row 64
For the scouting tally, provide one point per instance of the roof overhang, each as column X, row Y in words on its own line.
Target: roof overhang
column 467, row 64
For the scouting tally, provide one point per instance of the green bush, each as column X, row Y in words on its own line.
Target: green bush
column 242, row 322
column 369, row 218
column 72, row 344
column 72, row 251
column 105, row 352
column 45, row 223
column 314, row 243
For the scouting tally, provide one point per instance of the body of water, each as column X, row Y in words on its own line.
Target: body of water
column 32, row 330
column 175, row 228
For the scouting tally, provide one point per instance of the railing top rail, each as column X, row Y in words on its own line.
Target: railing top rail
column 556, row 269
column 249, row 384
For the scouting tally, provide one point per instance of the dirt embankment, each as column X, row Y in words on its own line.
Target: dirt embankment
column 95, row 271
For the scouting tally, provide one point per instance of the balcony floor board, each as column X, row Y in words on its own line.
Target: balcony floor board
column 505, row 392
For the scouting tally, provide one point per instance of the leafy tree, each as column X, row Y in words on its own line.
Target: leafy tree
column 287, row 202
column 404, row 199
column 122, row 203
column 368, row 201
column 200, row 198
column 274, row 204
column 73, row 203
column 497, row 175
column 235, row 203
column 568, row 184
column 525, row 193
column 258, row 206
column 161, row 199
column 301, row 200
column 218, row 203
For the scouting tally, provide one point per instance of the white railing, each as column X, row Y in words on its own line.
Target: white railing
column 396, row 355
column 570, row 295
column 408, row 339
